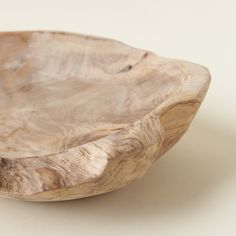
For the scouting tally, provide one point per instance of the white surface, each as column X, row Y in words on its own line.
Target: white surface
column 192, row 189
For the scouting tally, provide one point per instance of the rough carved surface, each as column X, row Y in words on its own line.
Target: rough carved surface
column 81, row 116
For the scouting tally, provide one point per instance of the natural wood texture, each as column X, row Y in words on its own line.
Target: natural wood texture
column 81, row 115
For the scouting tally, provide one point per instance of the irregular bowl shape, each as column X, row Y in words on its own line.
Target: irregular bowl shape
column 81, row 116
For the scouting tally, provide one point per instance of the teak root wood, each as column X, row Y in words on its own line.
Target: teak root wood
column 81, row 115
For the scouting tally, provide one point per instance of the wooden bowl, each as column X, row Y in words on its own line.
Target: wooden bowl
column 81, row 116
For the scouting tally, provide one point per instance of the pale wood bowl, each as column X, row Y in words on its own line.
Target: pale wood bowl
column 81, row 116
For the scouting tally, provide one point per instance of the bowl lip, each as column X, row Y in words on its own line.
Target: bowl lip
column 65, row 32
column 193, row 89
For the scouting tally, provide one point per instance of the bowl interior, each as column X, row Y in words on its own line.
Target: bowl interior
column 59, row 91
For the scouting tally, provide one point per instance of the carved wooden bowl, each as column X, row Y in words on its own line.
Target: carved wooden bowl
column 81, row 116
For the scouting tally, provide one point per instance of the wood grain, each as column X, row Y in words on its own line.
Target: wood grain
column 81, row 115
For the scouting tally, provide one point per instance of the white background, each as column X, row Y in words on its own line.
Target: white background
column 192, row 189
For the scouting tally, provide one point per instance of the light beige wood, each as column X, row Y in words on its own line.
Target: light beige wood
column 81, row 116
